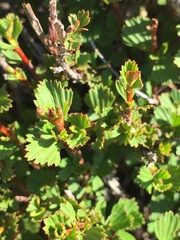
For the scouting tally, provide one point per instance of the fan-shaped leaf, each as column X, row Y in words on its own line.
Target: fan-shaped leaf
column 10, row 28
column 36, row 210
column 145, row 179
column 83, row 17
column 51, row 94
column 75, row 137
column 67, row 209
column 135, row 33
column 167, row 225
column 99, row 97
column 125, row 215
column 130, row 78
column 55, row 227
column 162, row 113
column 175, row 94
column 5, row 101
column 162, row 180
column 79, row 120
column 95, row 233
column 166, row 101
column 164, row 70
column 42, row 147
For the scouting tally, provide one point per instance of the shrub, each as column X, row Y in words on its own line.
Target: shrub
column 90, row 147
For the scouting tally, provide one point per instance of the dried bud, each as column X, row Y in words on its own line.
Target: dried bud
column 40, row 111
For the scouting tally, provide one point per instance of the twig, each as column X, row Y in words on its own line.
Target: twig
column 101, row 56
column 153, row 30
column 138, row 92
column 35, row 23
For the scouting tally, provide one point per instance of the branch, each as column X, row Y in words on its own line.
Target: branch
column 54, row 41
column 34, row 21
column 138, row 92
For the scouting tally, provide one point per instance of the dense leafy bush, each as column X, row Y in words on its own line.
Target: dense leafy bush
column 90, row 136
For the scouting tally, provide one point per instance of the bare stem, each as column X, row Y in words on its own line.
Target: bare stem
column 34, row 21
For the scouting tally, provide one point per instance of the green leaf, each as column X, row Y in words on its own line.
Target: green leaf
column 80, row 20
column 11, row 56
column 5, row 101
column 145, row 179
column 95, row 233
column 17, row 25
column 31, row 226
column 39, row 179
column 82, row 60
column 6, row 148
column 50, row 94
column 5, row 46
column 72, row 18
column 124, row 235
column 162, row 113
column 7, row 169
column 83, row 17
column 162, row 2
column 42, row 148
column 167, row 226
column 175, row 177
column 10, row 28
column 79, row 120
column 175, row 94
column 164, row 70
column 99, row 98
column 121, row 89
column 130, row 79
column 97, row 184
column 162, row 180
column 177, row 59
column 125, row 215
column 34, row 208
column 73, row 41
column 15, row 74
column 74, row 137
column 135, row 33
column 55, row 227
column 165, row 148
column 135, row 141
column 166, row 101
column 67, row 209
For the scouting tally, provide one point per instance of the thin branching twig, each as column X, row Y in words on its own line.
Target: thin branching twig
column 54, row 40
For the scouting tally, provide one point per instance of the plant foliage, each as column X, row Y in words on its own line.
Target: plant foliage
column 90, row 120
